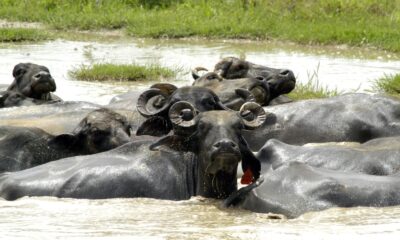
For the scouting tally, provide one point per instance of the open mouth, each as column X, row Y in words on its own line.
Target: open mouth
column 44, row 87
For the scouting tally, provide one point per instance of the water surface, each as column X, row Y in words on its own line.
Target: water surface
column 197, row 218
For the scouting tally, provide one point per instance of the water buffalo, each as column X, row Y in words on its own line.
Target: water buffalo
column 295, row 188
column 33, row 81
column 379, row 156
column 351, row 117
column 15, row 99
column 230, row 91
column 213, row 141
column 280, row 81
column 155, row 103
column 22, row 147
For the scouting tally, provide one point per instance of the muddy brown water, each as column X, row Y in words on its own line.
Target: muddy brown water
column 49, row 218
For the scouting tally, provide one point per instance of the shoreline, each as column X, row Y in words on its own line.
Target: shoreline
column 107, row 35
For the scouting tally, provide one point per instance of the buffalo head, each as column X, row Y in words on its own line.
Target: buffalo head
column 155, row 103
column 281, row 81
column 99, row 131
column 215, row 137
column 33, row 81
column 234, row 92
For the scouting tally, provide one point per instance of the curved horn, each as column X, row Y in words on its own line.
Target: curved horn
column 182, row 115
column 261, row 92
column 166, row 88
column 152, row 102
column 245, row 94
column 252, row 114
column 195, row 72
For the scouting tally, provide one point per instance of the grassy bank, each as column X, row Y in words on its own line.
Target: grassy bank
column 312, row 89
column 22, row 34
column 354, row 22
column 389, row 84
column 124, row 72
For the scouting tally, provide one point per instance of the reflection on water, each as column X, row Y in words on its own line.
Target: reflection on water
column 193, row 219
column 354, row 71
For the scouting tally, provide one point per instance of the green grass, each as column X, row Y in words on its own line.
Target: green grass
column 355, row 22
column 312, row 89
column 22, row 34
column 124, row 72
column 389, row 84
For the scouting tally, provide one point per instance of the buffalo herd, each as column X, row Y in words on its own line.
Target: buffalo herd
column 171, row 142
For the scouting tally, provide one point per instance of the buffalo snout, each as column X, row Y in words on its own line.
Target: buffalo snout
column 225, row 145
column 225, row 156
column 43, row 82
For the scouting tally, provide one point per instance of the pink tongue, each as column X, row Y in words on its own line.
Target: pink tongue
column 247, row 177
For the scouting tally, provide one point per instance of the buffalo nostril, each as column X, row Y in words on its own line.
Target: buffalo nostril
column 284, row 72
column 225, row 144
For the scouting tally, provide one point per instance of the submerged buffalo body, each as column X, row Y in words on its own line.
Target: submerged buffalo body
column 16, row 99
column 126, row 101
column 378, row 156
column 22, row 147
column 299, row 179
column 351, row 117
column 200, row 158
column 296, row 188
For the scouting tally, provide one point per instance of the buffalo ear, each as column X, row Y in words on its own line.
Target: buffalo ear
column 19, row 70
column 250, row 164
column 154, row 126
column 174, row 142
column 63, row 141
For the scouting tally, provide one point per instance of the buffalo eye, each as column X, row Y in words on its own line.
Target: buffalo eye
column 100, row 133
column 240, row 66
column 239, row 126
column 208, row 102
column 211, row 77
column 201, row 126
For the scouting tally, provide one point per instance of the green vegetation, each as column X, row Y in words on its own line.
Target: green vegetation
column 124, row 72
column 389, row 84
column 354, row 22
column 312, row 89
column 22, row 34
